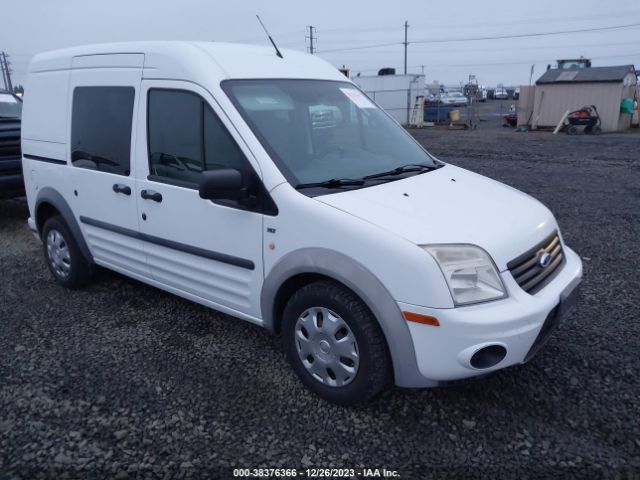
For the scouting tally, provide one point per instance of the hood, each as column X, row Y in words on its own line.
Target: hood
column 452, row 205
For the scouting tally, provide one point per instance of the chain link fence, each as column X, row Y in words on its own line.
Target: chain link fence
column 465, row 111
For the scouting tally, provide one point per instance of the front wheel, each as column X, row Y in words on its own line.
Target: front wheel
column 335, row 344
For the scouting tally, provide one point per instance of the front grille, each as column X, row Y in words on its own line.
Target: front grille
column 10, row 143
column 527, row 270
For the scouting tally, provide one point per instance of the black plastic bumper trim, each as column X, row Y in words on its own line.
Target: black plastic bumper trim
column 568, row 300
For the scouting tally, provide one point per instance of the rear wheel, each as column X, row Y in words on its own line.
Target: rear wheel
column 596, row 130
column 63, row 256
column 334, row 343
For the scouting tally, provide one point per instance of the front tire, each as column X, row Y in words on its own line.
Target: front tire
column 63, row 255
column 334, row 343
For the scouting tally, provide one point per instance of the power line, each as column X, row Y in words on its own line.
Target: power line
column 495, row 37
column 501, row 49
column 497, row 64
column 360, row 47
column 523, row 35
column 514, row 22
column 527, row 62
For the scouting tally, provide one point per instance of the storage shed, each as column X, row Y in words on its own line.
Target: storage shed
column 559, row 90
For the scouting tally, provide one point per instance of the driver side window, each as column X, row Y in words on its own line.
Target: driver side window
column 186, row 137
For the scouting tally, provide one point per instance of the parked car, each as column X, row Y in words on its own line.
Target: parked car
column 430, row 99
column 483, row 93
column 455, row 99
column 500, row 93
column 11, row 183
column 197, row 168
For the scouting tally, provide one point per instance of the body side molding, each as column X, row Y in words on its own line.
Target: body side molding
column 200, row 252
column 38, row 158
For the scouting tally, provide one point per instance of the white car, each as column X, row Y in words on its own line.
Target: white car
column 500, row 93
column 455, row 99
column 516, row 93
column 483, row 93
column 274, row 190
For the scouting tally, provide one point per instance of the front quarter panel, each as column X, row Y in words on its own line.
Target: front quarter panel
column 380, row 267
column 409, row 273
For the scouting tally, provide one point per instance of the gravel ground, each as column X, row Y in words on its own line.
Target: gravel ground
column 121, row 380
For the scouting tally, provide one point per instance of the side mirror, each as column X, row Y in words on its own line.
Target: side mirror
column 223, row 184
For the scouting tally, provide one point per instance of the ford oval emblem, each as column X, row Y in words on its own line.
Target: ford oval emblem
column 544, row 260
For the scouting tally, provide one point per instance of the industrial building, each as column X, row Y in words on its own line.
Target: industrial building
column 395, row 93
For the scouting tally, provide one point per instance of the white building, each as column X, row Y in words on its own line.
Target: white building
column 395, row 93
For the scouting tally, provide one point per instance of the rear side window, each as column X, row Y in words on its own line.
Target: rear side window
column 186, row 138
column 101, row 128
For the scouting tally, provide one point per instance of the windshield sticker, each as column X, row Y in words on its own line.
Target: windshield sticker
column 358, row 98
column 266, row 101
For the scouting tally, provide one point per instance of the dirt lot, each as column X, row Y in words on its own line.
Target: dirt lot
column 121, row 380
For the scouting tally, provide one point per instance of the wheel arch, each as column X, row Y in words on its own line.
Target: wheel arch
column 304, row 266
column 50, row 203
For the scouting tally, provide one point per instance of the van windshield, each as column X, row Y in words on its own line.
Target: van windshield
column 318, row 130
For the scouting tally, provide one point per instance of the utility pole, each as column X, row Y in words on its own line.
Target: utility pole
column 406, row 43
column 4, row 77
column 6, row 73
column 311, row 39
column 531, row 74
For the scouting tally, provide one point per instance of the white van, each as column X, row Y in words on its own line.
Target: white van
column 274, row 190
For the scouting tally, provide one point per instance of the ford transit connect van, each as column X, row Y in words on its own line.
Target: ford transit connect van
column 274, row 190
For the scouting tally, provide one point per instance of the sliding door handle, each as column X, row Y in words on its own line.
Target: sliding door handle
column 120, row 188
column 151, row 195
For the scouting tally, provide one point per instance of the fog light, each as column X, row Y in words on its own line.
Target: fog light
column 489, row 356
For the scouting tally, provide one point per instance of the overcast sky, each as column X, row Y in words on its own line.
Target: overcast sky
column 39, row 25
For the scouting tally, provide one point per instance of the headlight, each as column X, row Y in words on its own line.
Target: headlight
column 470, row 273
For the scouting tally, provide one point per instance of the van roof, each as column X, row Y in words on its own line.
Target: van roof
column 225, row 60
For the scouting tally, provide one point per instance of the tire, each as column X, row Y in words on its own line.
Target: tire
column 64, row 258
column 572, row 130
column 365, row 373
column 596, row 130
column 587, row 130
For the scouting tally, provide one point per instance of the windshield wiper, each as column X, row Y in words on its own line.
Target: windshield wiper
column 411, row 167
column 332, row 183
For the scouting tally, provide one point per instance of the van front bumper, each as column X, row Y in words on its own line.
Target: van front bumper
column 11, row 186
column 482, row 338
